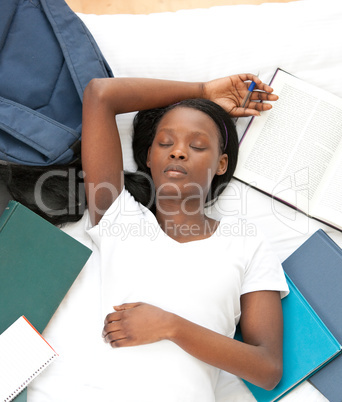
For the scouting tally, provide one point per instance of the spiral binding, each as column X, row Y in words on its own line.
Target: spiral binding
column 21, row 388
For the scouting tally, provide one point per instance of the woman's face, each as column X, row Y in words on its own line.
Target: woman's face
column 185, row 154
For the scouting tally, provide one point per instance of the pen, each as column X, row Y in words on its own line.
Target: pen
column 248, row 94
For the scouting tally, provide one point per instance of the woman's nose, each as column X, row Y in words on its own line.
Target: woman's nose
column 178, row 153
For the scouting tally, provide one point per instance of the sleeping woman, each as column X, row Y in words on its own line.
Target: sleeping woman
column 175, row 282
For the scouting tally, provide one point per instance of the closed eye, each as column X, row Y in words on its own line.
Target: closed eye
column 197, row 148
column 161, row 144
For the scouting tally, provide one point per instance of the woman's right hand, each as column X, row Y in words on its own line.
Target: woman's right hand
column 135, row 324
column 229, row 92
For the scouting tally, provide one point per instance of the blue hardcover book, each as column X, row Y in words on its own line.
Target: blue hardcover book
column 316, row 269
column 308, row 345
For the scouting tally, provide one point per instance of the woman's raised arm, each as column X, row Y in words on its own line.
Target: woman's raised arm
column 101, row 148
column 105, row 98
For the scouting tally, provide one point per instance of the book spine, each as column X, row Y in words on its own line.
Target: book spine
column 11, row 207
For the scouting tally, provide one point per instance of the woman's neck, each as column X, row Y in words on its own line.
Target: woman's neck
column 184, row 224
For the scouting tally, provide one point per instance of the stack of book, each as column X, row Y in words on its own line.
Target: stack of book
column 312, row 320
column 38, row 265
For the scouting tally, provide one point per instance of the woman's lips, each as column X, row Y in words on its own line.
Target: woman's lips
column 175, row 170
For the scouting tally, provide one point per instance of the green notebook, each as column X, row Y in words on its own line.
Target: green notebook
column 38, row 265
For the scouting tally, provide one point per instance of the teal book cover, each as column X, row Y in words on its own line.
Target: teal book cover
column 308, row 345
column 38, row 264
column 316, row 269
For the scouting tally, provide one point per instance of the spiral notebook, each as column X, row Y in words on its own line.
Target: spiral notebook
column 24, row 354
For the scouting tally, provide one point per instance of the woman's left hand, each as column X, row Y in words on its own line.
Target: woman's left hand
column 136, row 324
column 229, row 92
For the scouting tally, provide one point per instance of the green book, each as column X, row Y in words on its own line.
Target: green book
column 38, row 265
column 22, row 397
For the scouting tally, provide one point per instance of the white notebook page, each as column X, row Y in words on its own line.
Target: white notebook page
column 24, row 353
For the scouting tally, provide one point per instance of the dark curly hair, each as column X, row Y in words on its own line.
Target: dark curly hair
column 56, row 192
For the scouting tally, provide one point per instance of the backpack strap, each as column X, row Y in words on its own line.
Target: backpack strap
column 84, row 62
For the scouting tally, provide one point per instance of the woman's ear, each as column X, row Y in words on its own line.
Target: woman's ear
column 148, row 159
column 222, row 165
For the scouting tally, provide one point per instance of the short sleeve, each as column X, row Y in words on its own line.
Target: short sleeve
column 263, row 270
column 124, row 206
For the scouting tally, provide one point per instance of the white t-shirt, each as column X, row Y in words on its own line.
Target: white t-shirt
column 201, row 281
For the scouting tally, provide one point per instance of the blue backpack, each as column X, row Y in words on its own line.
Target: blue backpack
column 47, row 58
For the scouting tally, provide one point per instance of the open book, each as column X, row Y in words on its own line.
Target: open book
column 24, row 354
column 293, row 152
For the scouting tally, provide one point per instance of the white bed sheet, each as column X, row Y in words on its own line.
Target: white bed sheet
column 302, row 37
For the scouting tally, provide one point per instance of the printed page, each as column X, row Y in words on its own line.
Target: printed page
column 24, row 353
column 286, row 152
